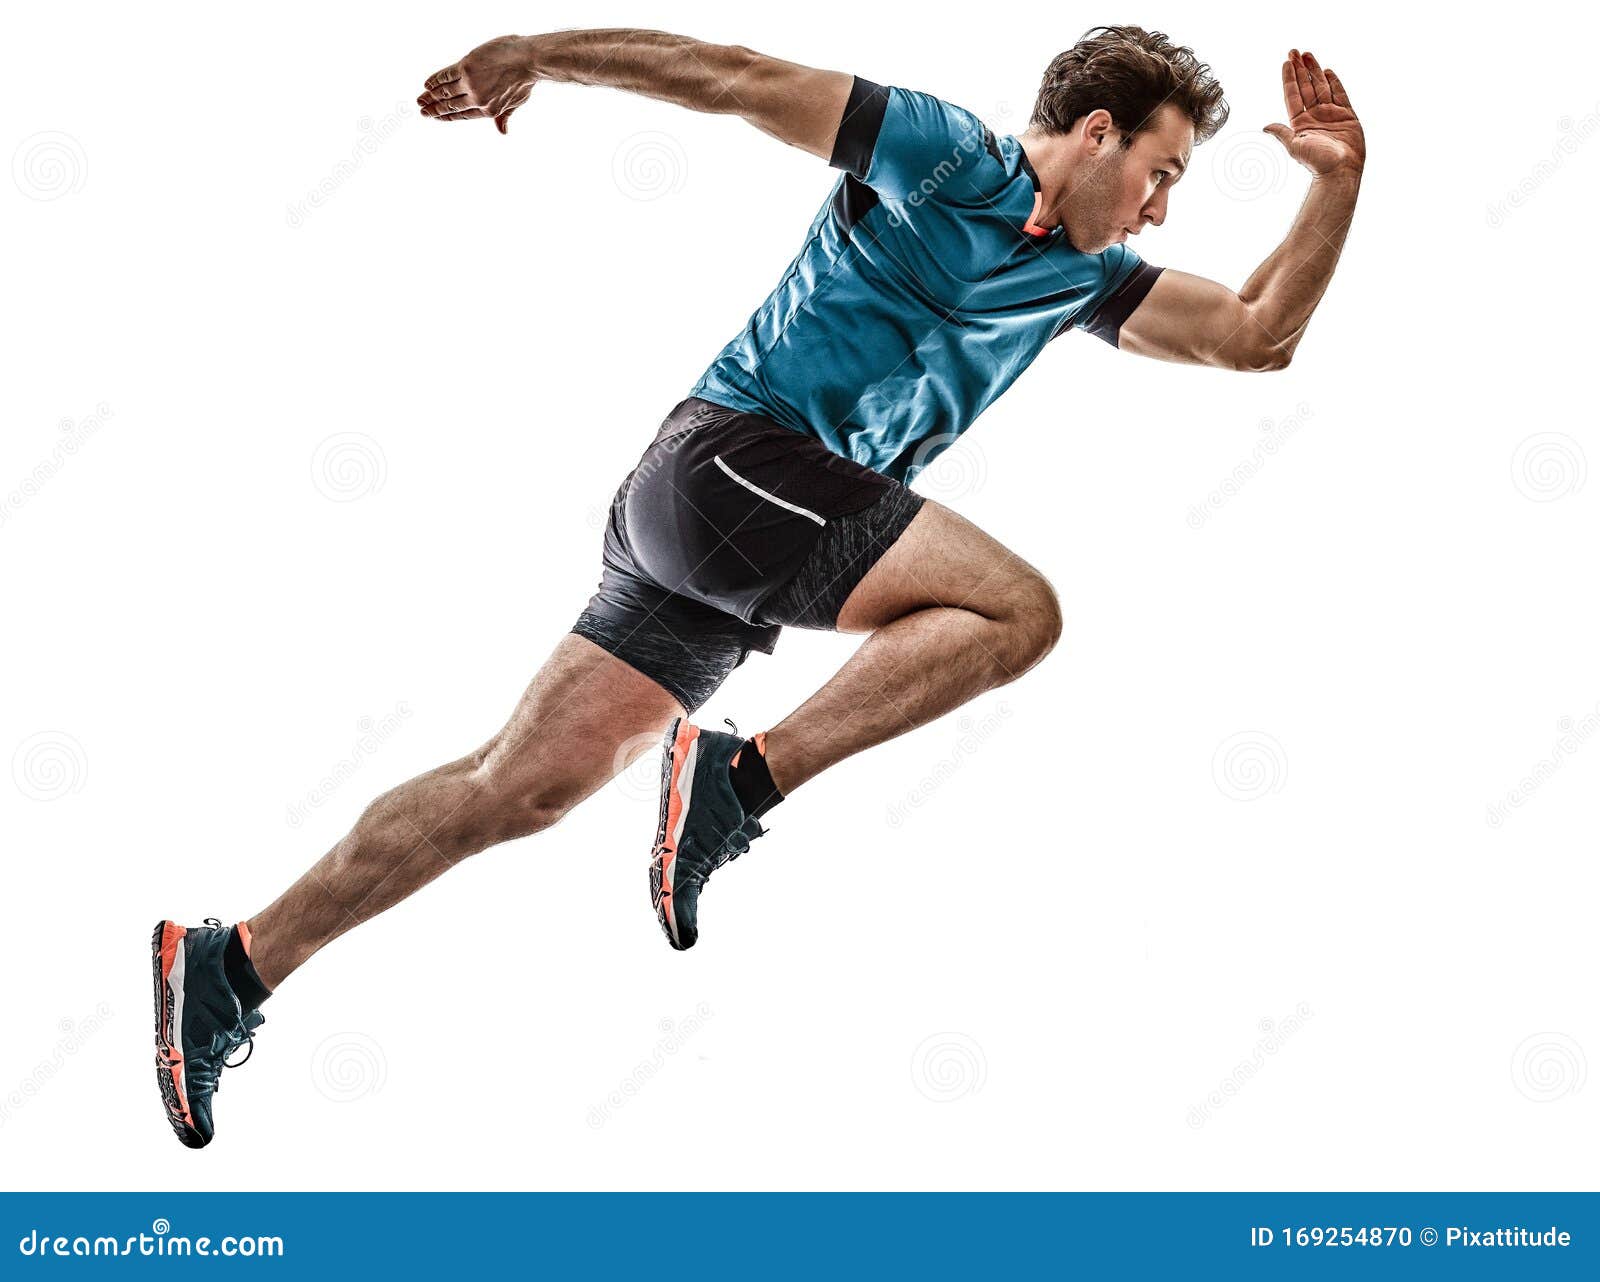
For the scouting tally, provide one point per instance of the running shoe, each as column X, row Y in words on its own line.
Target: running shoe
column 199, row 1024
column 702, row 825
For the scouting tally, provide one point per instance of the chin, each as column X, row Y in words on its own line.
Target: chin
column 1097, row 246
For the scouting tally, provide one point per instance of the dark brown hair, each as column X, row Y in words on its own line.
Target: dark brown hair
column 1130, row 72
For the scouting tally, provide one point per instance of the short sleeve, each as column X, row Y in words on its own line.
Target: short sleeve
column 1125, row 280
column 900, row 141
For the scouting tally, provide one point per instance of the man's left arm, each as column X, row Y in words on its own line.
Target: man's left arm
column 1188, row 318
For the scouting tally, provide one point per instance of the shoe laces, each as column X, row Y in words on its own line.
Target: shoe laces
column 206, row 1070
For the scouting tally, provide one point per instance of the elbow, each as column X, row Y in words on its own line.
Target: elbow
column 1264, row 358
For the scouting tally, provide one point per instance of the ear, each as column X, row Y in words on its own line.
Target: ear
column 1098, row 130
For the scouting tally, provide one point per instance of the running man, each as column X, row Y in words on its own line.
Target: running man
column 775, row 494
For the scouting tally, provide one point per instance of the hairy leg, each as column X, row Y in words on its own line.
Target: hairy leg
column 952, row 613
column 565, row 740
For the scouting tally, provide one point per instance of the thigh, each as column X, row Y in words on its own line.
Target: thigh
column 941, row 559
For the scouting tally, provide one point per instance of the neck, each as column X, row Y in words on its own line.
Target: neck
column 1052, row 159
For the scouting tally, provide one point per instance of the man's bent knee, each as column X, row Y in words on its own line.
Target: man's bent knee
column 1032, row 624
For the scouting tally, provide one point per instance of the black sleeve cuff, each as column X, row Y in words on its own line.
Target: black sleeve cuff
column 1117, row 306
column 858, row 129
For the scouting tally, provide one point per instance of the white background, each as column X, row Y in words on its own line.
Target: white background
column 1210, row 900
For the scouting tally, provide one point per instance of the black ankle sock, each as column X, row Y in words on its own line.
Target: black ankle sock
column 241, row 975
column 752, row 781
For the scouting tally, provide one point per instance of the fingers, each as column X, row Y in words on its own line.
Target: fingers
column 471, row 113
column 1291, row 89
column 1302, row 80
column 444, row 107
column 452, row 72
column 1319, row 78
column 1282, row 133
column 454, row 89
column 1340, row 97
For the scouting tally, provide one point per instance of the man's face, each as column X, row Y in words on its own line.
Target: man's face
column 1121, row 190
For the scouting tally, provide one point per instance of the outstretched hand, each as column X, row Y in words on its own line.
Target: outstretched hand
column 488, row 84
column 1323, row 132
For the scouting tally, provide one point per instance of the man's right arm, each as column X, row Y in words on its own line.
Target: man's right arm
column 799, row 105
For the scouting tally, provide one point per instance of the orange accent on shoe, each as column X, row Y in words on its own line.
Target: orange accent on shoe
column 759, row 738
column 687, row 734
column 243, row 928
column 171, row 940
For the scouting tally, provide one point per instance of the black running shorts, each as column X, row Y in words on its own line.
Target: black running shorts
column 731, row 528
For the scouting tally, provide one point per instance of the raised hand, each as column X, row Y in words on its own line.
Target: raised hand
column 488, row 84
column 1323, row 132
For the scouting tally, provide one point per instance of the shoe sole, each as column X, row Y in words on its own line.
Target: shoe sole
column 166, row 963
column 679, row 749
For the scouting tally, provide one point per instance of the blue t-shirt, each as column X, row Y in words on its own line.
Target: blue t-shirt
column 923, row 289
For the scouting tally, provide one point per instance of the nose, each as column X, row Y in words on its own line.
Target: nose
column 1156, row 211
